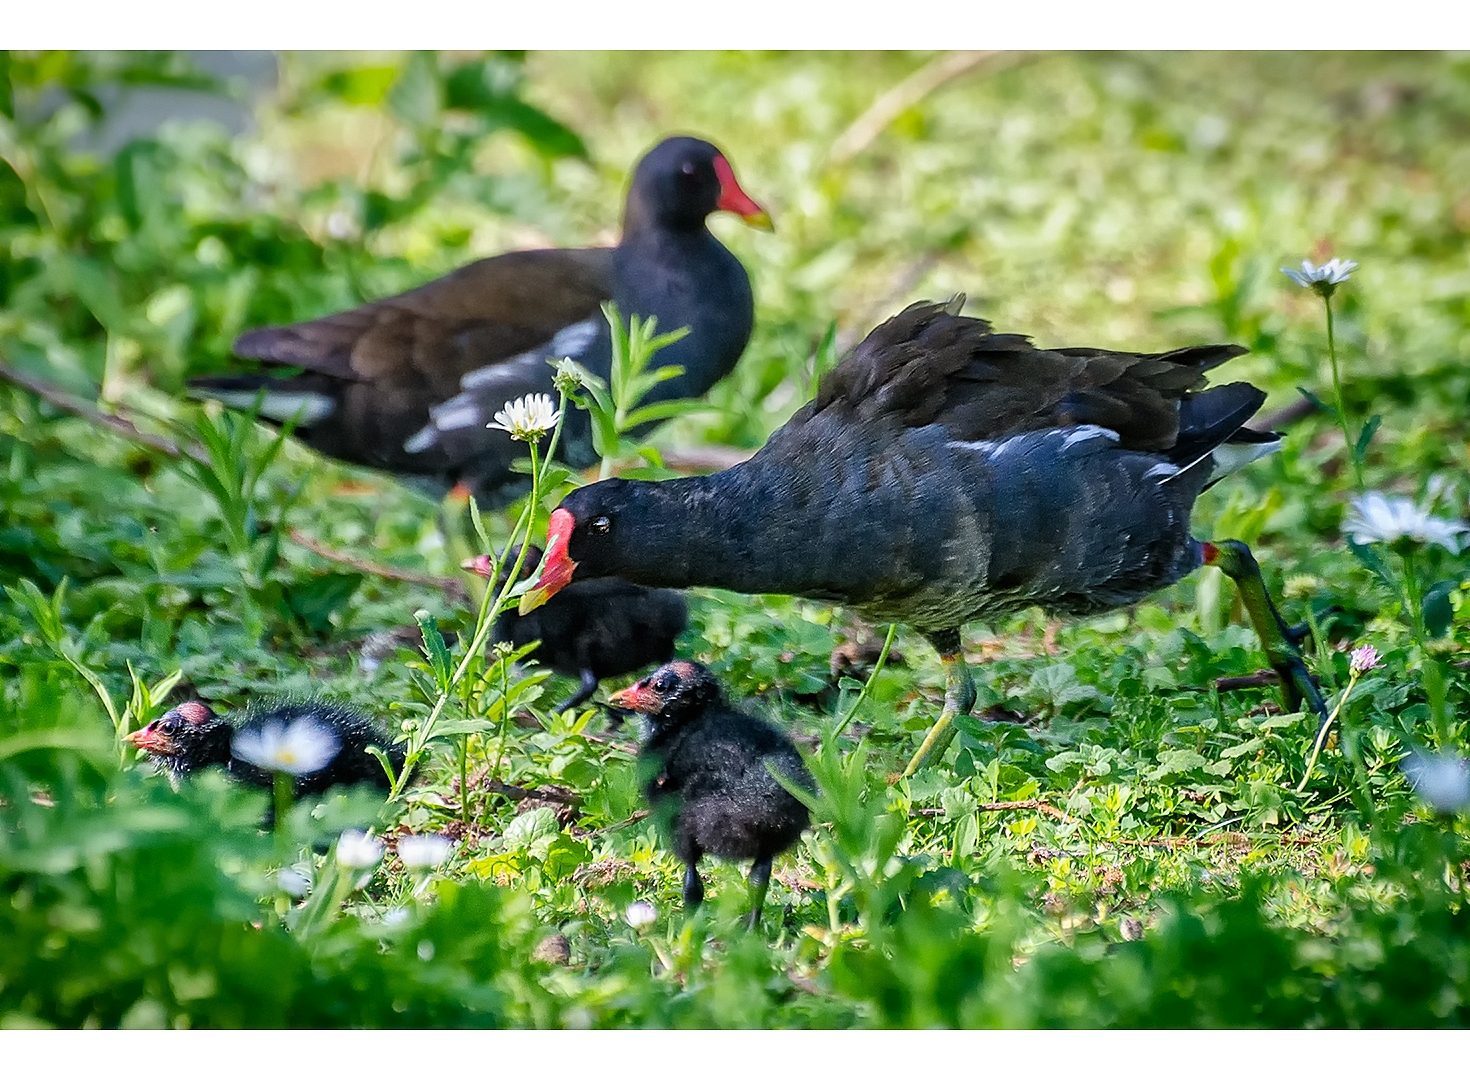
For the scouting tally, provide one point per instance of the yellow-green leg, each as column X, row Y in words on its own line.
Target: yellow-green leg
column 959, row 699
column 1278, row 639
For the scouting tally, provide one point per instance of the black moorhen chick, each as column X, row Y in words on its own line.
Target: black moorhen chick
column 945, row 474
column 592, row 630
column 708, row 780
column 408, row 383
column 192, row 736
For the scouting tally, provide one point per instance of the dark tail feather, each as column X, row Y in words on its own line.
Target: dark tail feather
column 303, row 398
column 1212, row 417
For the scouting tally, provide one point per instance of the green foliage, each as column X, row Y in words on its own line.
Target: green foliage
column 1116, row 839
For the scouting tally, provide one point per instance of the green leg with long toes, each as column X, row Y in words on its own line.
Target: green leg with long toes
column 760, row 881
column 959, row 699
column 1278, row 639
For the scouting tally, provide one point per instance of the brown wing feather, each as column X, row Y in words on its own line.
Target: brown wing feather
column 432, row 336
column 926, row 366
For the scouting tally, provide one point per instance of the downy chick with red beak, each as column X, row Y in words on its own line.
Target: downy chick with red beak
column 708, row 777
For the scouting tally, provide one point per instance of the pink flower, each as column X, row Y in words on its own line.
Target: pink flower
column 1364, row 658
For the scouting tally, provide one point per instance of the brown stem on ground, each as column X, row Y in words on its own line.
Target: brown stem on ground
column 453, row 587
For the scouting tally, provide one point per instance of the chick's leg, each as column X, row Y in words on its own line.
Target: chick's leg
column 585, row 689
column 959, row 698
column 693, row 888
column 760, row 881
column 1279, row 640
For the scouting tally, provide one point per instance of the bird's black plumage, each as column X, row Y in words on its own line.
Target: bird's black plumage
column 943, row 474
column 708, row 775
column 592, row 630
column 407, row 384
column 193, row 736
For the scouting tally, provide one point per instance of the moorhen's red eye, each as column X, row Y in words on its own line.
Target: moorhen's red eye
column 600, row 525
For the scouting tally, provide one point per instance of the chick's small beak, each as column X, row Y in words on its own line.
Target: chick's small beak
column 559, row 565
column 733, row 199
column 637, row 697
column 480, row 564
column 150, row 739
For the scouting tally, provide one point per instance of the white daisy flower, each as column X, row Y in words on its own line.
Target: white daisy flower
column 356, row 850
column 568, row 377
column 640, row 913
column 1325, row 278
column 424, row 852
column 1376, row 518
column 302, row 746
column 527, row 418
column 1441, row 780
column 293, row 882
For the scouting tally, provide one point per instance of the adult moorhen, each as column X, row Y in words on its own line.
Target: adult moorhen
column 708, row 777
column 944, row 474
column 408, row 383
column 192, row 736
column 592, row 630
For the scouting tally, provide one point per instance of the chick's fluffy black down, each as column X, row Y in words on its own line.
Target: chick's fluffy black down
column 712, row 789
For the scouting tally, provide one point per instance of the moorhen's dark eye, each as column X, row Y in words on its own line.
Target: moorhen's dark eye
column 169, row 726
column 600, row 525
column 663, row 684
column 688, row 168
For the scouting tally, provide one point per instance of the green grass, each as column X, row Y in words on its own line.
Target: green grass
column 1115, row 841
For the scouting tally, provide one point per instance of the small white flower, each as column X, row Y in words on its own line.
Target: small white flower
column 640, row 913
column 1376, row 518
column 302, row 746
column 293, row 882
column 527, row 418
column 568, row 377
column 424, row 852
column 1325, row 278
column 356, row 850
column 1364, row 659
column 395, row 916
column 1441, row 780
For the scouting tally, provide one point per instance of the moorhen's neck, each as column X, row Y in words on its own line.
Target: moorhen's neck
column 642, row 218
column 747, row 530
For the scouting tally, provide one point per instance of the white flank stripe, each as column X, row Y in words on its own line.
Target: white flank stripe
column 426, row 438
column 457, row 413
column 497, row 372
column 1087, row 432
column 1163, row 469
column 573, row 341
column 304, row 408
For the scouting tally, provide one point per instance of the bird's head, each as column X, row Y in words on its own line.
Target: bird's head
column 185, row 738
column 682, row 180
column 672, row 694
column 586, row 538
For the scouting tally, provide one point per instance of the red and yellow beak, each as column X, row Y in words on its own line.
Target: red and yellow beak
column 154, row 741
column 559, row 565
column 733, row 199
column 639, row 697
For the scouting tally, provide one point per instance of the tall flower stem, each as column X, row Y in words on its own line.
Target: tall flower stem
column 490, row 607
column 1342, row 417
column 1322, row 735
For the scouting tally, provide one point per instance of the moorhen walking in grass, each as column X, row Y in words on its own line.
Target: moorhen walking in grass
column 708, row 777
column 327, row 741
column 408, row 383
column 945, row 474
column 592, row 630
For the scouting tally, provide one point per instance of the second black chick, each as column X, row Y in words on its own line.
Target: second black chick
column 592, row 630
column 327, row 741
column 709, row 780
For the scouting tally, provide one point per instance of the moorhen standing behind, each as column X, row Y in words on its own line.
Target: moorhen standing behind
column 407, row 384
column 191, row 737
column 592, row 630
column 945, row 474
column 709, row 776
